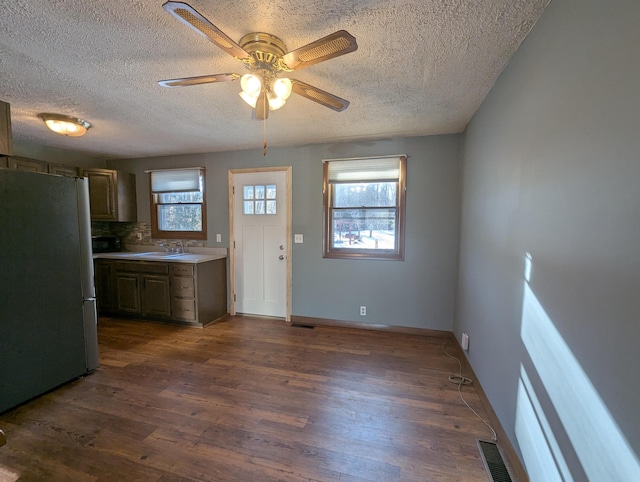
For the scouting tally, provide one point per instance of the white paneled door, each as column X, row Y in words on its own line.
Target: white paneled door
column 260, row 214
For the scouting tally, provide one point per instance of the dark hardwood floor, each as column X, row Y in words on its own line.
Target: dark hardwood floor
column 251, row 399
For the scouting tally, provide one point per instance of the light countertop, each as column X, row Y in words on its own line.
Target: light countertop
column 203, row 255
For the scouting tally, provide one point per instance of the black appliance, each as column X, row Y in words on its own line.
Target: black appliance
column 106, row 244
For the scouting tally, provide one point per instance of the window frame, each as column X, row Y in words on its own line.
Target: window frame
column 397, row 253
column 158, row 233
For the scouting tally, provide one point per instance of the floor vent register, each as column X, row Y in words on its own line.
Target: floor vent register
column 302, row 325
column 493, row 462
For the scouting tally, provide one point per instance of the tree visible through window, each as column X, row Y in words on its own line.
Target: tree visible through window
column 364, row 208
column 178, row 207
column 259, row 199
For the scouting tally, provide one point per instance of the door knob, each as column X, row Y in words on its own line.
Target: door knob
column 281, row 257
column 281, row 248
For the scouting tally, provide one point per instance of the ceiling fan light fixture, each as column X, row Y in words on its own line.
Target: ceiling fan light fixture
column 251, row 84
column 249, row 99
column 282, row 88
column 65, row 125
column 275, row 102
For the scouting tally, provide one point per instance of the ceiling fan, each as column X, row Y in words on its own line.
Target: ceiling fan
column 266, row 57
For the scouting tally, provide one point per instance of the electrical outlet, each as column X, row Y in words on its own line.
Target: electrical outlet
column 464, row 342
column 298, row 238
column 363, row 311
column 218, row 238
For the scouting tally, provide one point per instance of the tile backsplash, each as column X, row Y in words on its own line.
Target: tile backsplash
column 138, row 234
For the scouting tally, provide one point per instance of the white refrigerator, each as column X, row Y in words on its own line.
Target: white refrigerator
column 48, row 321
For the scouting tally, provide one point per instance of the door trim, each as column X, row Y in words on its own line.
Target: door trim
column 232, row 255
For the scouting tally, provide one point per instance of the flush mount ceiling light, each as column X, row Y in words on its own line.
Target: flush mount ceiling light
column 65, row 125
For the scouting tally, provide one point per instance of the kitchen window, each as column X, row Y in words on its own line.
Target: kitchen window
column 364, row 204
column 178, row 203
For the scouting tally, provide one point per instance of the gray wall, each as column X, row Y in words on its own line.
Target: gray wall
column 552, row 167
column 57, row 155
column 416, row 292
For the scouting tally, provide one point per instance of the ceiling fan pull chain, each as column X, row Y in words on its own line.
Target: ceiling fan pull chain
column 264, row 123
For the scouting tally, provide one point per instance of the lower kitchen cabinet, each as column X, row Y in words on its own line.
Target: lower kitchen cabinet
column 185, row 293
column 128, row 293
column 105, row 290
column 156, row 297
column 143, row 288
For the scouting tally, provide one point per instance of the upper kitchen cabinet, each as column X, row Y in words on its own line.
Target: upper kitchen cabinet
column 6, row 143
column 112, row 195
column 34, row 165
column 63, row 170
column 25, row 164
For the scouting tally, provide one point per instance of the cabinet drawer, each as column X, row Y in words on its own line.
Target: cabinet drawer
column 184, row 309
column 182, row 287
column 142, row 267
column 181, row 269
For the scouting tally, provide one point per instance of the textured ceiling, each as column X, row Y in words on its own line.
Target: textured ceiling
column 422, row 67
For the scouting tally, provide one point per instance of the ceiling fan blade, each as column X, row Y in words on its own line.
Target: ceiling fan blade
column 320, row 96
column 202, row 79
column 261, row 112
column 190, row 17
column 329, row 47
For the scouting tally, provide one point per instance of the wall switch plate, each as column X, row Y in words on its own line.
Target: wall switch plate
column 218, row 238
column 298, row 238
column 363, row 311
column 464, row 342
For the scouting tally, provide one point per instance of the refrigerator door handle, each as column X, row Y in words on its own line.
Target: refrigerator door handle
column 91, row 333
column 84, row 225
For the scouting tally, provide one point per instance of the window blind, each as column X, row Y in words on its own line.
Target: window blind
column 356, row 170
column 175, row 180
